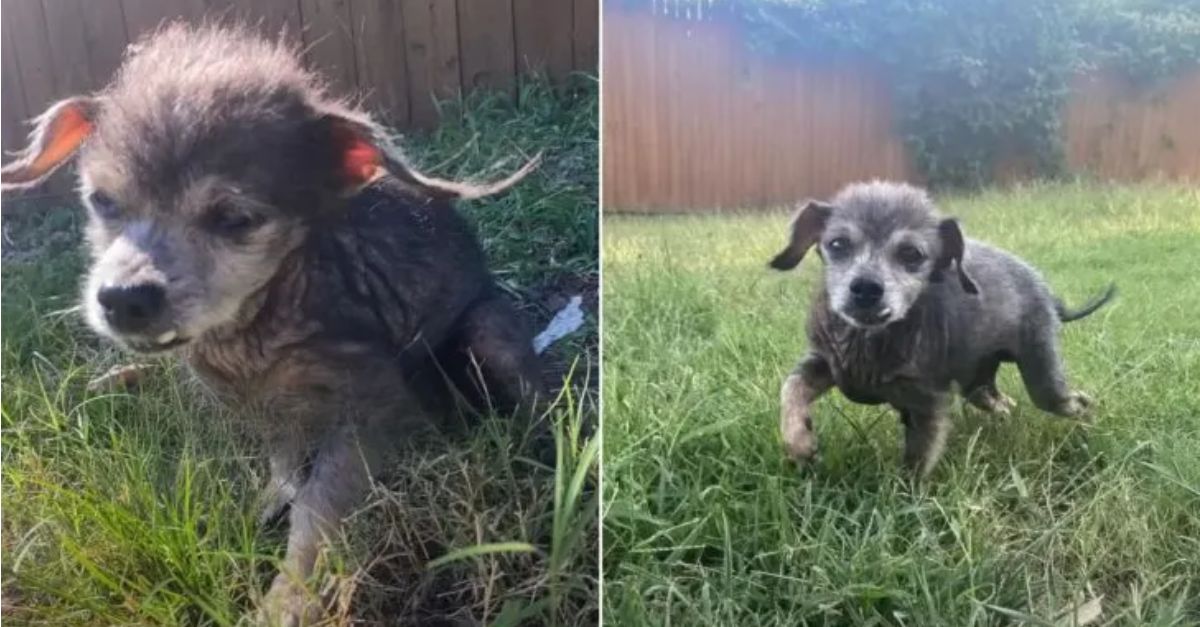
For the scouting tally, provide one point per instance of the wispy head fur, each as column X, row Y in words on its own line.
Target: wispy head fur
column 204, row 163
column 882, row 243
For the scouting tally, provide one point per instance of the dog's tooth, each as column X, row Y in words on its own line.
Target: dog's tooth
column 165, row 337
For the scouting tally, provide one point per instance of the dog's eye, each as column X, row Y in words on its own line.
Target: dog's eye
column 838, row 245
column 229, row 220
column 909, row 255
column 104, row 206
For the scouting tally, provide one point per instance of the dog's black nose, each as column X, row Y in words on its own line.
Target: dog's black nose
column 132, row 308
column 865, row 292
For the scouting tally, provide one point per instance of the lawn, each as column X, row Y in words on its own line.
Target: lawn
column 1028, row 520
column 140, row 507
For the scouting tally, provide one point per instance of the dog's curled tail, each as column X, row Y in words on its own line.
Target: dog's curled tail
column 456, row 190
column 1068, row 315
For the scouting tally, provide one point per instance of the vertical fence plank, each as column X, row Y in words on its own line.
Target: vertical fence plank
column 485, row 40
column 1184, row 133
column 329, row 39
column 142, row 16
column 431, row 51
column 106, row 38
column 15, row 112
column 542, row 34
column 586, row 47
column 617, row 182
column 31, row 49
column 68, row 54
column 693, row 119
column 382, row 67
column 270, row 17
column 1116, row 130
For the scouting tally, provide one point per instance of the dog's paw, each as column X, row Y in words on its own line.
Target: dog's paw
column 1005, row 404
column 1077, row 404
column 289, row 605
column 275, row 499
column 993, row 402
column 801, row 446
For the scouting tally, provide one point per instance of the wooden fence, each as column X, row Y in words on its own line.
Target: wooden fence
column 400, row 54
column 693, row 120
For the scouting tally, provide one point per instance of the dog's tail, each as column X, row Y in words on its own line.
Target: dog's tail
column 1068, row 315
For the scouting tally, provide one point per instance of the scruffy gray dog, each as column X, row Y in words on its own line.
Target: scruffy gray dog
column 269, row 234
column 907, row 308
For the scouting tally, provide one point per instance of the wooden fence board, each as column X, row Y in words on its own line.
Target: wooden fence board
column 379, row 45
column 329, row 41
column 586, row 26
column 1124, row 131
column 271, row 17
column 13, row 112
column 543, row 30
column 31, row 51
column 69, row 53
column 485, row 40
column 146, row 15
column 106, row 38
column 431, row 52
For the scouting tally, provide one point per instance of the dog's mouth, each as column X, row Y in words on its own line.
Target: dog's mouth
column 868, row 318
column 162, row 343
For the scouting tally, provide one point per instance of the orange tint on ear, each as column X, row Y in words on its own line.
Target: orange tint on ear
column 57, row 135
column 359, row 159
column 67, row 133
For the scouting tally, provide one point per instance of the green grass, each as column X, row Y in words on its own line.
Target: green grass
column 1025, row 517
column 140, row 508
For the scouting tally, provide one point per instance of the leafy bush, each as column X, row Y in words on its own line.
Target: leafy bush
column 1149, row 40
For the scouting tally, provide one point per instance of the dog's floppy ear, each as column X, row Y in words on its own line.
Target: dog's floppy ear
column 953, row 247
column 805, row 231
column 56, row 137
column 361, row 152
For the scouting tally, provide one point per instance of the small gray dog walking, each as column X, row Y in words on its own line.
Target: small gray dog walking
column 269, row 234
column 907, row 309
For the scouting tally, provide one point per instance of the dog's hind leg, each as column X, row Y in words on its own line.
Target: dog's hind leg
column 801, row 388
column 982, row 392
column 501, row 365
column 1041, row 370
column 925, row 432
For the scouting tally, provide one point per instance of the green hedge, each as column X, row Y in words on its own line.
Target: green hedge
column 974, row 79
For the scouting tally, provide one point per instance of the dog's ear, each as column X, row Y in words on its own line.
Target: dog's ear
column 361, row 152
column 805, row 231
column 56, row 137
column 953, row 247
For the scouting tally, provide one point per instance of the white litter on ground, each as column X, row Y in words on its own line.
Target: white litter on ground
column 565, row 322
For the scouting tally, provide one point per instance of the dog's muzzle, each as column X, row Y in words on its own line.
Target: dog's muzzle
column 865, row 304
column 137, row 315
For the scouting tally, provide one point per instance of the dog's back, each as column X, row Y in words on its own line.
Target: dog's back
column 395, row 266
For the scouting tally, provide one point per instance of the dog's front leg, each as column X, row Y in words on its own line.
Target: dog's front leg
column 338, row 481
column 805, row 384
column 925, row 430
column 286, row 461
